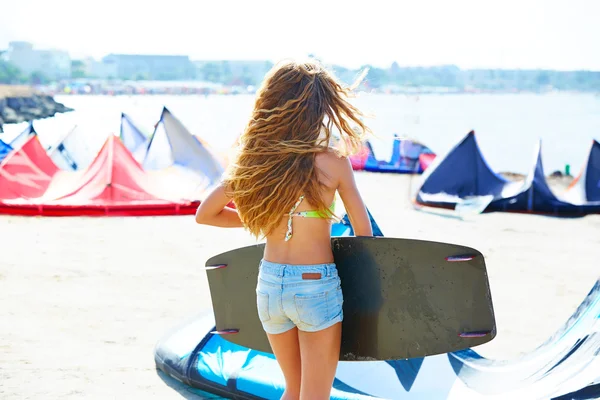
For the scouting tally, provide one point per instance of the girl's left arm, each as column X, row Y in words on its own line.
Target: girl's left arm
column 214, row 211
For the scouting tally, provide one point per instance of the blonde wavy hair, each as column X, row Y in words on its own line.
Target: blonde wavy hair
column 296, row 109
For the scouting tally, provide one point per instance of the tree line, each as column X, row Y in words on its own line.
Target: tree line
column 453, row 77
column 445, row 76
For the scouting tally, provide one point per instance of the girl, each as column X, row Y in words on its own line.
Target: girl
column 283, row 183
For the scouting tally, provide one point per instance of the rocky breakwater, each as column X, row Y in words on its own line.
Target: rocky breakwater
column 22, row 103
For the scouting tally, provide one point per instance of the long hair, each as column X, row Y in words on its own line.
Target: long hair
column 296, row 108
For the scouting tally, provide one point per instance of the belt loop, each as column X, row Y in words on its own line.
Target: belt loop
column 281, row 270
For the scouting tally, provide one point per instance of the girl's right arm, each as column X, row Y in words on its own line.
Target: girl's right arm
column 213, row 210
column 355, row 207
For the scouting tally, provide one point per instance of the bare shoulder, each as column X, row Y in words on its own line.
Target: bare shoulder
column 335, row 168
column 332, row 160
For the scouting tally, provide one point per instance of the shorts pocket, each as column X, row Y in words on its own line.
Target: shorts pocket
column 312, row 309
column 338, row 307
column 262, row 303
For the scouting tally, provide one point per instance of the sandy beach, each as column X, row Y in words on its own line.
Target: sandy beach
column 15, row 91
column 84, row 300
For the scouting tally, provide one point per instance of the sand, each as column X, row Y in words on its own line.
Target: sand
column 15, row 91
column 84, row 300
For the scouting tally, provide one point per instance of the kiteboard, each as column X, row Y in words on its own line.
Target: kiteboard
column 403, row 298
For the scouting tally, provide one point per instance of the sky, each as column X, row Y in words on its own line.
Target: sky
column 547, row 34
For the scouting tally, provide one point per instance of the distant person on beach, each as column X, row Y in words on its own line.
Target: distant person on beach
column 283, row 182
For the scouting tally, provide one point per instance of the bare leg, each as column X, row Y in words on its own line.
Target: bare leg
column 320, row 352
column 287, row 352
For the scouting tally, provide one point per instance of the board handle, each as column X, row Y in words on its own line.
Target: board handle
column 474, row 334
column 219, row 266
column 225, row 332
column 460, row 258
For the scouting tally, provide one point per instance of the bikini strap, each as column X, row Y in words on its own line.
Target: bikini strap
column 288, row 234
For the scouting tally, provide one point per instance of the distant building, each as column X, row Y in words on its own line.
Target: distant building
column 99, row 69
column 150, row 67
column 54, row 64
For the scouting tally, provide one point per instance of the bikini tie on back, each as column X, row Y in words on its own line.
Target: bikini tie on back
column 305, row 214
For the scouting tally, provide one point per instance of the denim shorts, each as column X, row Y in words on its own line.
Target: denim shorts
column 308, row 297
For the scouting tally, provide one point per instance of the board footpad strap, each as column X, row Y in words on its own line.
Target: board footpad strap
column 474, row 334
column 219, row 266
column 225, row 332
column 459, row 258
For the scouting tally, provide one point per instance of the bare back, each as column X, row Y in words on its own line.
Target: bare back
column 310, row 241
